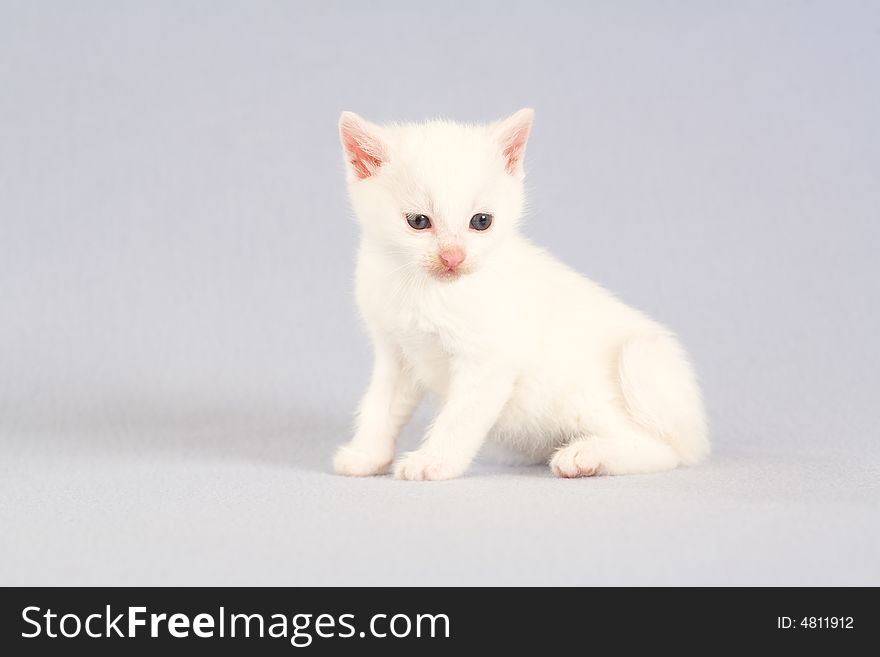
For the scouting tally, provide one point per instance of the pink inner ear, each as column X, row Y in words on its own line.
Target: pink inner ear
column 363, row 151
column 515, row 147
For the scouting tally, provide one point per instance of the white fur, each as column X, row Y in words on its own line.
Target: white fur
column 519, row 348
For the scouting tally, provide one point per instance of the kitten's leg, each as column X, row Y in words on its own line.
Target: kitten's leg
column 476, row 395
column 386, row 406
column 661, row 398
column 623, row 451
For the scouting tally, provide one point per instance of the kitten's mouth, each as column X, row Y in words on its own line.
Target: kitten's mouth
column 446, row 273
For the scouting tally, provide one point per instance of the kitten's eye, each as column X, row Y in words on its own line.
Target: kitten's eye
column 418, row 221
column 481, row 221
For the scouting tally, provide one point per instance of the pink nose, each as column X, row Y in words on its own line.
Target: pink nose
column 452, row 257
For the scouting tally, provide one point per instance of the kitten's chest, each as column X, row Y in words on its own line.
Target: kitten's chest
column 413, row 313
column 430, row 323
column 428, row 359
column 426, row 344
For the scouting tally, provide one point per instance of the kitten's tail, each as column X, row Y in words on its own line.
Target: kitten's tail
column 661, row 394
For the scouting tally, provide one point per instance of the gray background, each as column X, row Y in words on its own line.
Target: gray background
column 179, row 351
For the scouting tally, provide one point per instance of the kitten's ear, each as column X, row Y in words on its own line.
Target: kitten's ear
column 362, row 141
column 512, row 134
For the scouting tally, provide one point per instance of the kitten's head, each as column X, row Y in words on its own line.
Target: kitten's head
column 437, row 196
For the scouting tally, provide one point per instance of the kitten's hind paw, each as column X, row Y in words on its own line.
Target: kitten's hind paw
column 352, row 462
column 577, row 459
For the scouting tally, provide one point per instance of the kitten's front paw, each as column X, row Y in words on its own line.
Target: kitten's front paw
column 577, row 459
column 421, row 466
column 353, row 462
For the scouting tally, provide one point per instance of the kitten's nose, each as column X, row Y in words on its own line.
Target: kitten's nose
column 452, row 257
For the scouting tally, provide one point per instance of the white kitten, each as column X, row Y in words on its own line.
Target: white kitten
column 520, row 349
